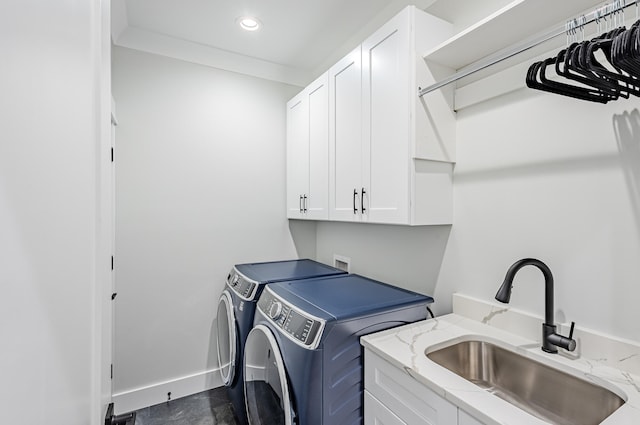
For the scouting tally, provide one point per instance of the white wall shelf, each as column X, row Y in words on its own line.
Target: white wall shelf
column 518, row 21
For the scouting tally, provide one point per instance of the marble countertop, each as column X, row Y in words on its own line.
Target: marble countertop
column 405, row 346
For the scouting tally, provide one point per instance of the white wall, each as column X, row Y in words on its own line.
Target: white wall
column 200, row 178
column 538, row 175
column 52, row 126
column 409, row 257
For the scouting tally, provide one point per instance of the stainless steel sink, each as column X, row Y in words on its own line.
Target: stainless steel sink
column 545, row 392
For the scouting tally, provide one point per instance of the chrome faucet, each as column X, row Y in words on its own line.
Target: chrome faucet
column 550, row 339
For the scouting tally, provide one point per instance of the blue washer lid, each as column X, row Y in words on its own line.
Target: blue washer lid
column 278, row 271
column 347, row 296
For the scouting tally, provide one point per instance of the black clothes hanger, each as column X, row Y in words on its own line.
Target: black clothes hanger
column 622, row 83
column 575, row 68
column 626, row 83
column 626, row 52
column 537, row 79
column 586, row 75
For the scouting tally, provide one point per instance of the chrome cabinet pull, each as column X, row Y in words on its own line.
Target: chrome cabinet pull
column 362, row 201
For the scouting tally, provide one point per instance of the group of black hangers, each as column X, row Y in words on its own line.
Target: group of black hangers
column 599, row 82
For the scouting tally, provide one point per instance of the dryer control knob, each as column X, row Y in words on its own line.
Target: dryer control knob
column 275, row 310
column 234, row 281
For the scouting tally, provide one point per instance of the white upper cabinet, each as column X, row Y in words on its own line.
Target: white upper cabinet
column 308, row 152
column 386, row 100
column 391, row 153
column 318, row 197
column 297, row 155
column 396, row 168
column 345, row 137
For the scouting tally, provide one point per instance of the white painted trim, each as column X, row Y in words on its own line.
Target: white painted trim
column 159, row 44
column 114, row 118
column 138, row 398
column 119, row 19
column 102, row 322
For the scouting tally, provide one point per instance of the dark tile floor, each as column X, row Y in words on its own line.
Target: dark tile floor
column 207, row 408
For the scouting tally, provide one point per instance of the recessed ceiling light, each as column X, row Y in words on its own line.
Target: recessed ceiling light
column 249, row 23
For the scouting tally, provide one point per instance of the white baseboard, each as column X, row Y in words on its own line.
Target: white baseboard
column 138, row 398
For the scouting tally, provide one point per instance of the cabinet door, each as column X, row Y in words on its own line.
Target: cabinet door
column 345, row 138
column 317, row 201
column 376, row 413
column 465, row 419
column 297, row 155
column 407, row 398
column 386, row 74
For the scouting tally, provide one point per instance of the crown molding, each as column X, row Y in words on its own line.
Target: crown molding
column 160, row 44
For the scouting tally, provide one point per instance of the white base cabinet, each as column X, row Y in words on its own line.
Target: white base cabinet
column 377, row 413
column 393, row 397
column 465, row 419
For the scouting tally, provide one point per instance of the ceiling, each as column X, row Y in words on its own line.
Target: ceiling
column 299, row 38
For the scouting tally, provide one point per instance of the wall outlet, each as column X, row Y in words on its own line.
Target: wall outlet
column 342, row 263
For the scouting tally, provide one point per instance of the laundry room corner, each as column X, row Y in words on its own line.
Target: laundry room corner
column 200, row 166
column 304, row 235
column 407, row 257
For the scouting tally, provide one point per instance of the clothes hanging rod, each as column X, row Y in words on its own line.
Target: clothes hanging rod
column 578, row 23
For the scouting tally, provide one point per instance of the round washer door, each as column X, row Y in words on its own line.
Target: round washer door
column 266, row 388
column 227, row 339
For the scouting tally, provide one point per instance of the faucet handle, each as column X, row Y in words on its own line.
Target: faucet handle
column 573, row 324
column 568, row 342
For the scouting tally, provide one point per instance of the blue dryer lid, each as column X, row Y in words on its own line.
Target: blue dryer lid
column 277, row 271
column 347, row 296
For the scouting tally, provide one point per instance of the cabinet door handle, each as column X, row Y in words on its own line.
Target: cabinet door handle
column 304, row 203
column 362, row 201
column 355, row 208
column 300, row 203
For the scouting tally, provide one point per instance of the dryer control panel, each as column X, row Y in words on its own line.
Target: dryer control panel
column 242, row 286
column 299, row 326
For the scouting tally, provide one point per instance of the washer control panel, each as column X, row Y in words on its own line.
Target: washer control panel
column 241, row 285
column 297, row 325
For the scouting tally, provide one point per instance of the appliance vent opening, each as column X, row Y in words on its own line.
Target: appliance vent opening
column 342, row 263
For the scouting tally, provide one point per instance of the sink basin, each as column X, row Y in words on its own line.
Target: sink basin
column 543, row 391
